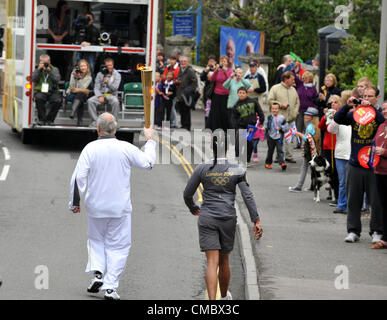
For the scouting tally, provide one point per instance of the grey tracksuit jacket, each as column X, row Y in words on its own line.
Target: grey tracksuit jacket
column 219, row 190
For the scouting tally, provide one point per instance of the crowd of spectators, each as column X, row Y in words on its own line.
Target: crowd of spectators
column 324, row 120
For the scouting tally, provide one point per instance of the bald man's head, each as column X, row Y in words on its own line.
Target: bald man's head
column 106, row 124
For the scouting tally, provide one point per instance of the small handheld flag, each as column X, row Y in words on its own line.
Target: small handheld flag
column 291, row 133
column 250, row 131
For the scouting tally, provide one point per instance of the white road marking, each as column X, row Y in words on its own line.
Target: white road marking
column 4, row 173
column 6, row 153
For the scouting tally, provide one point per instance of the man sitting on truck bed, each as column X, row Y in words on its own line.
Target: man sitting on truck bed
column 106, row 87
column 45, row 79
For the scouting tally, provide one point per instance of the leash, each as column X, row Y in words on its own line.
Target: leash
column 332, row 151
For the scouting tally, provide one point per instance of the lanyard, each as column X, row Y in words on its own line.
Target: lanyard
column 275, row 122
column 46, row 77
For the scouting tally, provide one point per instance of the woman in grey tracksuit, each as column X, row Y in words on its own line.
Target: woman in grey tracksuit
column 217, row 215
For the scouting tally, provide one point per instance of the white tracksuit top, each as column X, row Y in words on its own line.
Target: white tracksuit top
column 104, row 168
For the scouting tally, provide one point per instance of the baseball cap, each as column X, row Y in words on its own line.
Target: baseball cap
column 311, row 111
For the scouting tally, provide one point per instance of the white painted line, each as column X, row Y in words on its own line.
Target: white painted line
column 4, row 173
column 6, row 153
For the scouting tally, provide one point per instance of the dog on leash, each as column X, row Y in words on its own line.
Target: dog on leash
column 321, row 175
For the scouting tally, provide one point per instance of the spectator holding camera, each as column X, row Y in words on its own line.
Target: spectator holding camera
column 46, row 78
column 361, row 178
column 79, row 89
column 209, row 86
column 218, row 117
column 106, row 87
column 88, row 36
column 59, row 29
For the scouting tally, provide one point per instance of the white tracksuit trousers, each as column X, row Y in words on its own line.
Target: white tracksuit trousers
column 108, row 245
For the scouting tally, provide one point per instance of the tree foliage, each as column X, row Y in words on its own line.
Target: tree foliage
column 289, row 25
column 357, row 58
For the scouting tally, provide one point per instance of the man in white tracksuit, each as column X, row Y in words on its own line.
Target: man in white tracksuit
column 103, row 169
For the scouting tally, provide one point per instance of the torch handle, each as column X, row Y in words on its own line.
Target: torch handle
column 146, row 79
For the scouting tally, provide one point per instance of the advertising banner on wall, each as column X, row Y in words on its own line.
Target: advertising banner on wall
column 238, row 42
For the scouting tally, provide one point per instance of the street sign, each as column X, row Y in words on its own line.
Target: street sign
column 183, row 25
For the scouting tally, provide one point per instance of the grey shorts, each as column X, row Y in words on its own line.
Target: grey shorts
column 216, row 234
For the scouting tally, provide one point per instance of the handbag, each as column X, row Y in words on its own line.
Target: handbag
column 210, row 90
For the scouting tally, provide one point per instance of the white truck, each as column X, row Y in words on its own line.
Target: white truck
column 127, row 32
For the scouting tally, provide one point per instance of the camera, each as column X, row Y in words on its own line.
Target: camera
column 46, row 65
column 329, row 105
column 81, row 24
column 221, row 66
column 357, row 101
column 104, row 70
column 211, row 66
column 77, row 70
column 82, row 21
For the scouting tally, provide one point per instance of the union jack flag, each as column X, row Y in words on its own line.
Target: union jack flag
column 292, row 132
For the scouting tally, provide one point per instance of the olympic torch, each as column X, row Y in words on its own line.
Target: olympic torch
column 147, row 92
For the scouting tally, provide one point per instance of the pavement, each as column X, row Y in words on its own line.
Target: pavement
column 302, row 254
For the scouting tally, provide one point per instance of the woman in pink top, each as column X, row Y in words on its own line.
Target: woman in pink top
column 218, row 117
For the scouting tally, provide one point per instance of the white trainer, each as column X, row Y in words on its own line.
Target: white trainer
column 95, row 284
column 376, row 237
column 227, row 297
column 352, row 237
column 111, row 294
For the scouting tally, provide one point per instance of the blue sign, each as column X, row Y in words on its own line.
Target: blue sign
column 183, row 25
column 238, row 42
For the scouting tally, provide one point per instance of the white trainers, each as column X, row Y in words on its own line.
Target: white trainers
column 227, row 297
column 95, row 284
column 352, row 237
column 376, row 237
column 111, row 294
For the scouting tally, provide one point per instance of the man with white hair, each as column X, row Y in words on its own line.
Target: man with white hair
column 104, row 168
column 287, row 61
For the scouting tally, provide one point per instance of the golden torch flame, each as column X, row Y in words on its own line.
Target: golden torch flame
column 142, row 67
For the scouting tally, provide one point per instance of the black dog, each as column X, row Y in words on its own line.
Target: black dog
column 321, row 175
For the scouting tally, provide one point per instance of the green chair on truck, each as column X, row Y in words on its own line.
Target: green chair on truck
column 133, row 100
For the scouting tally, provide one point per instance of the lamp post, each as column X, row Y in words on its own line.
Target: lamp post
column 382, row 51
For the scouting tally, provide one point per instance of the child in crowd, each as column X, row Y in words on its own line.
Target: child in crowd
column 158, row 98
column 168, row 93
column 309, row 146
column 275, row 126
column 244, row 113
column 329, row 144
column 259, row 135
